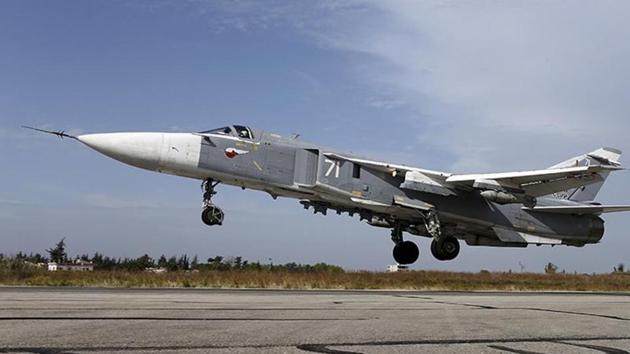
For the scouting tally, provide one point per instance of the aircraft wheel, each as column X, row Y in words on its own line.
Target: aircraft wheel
column 212, row 215
column 445, row 249
column 406, row 252
column 434, row 251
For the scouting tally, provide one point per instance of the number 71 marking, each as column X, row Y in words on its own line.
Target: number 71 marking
column 334, row 165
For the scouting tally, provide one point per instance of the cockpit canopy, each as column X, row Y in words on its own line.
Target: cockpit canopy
column 239, row 131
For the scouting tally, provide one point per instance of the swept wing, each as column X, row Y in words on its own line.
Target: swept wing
column 415, row 178
column 533, row 183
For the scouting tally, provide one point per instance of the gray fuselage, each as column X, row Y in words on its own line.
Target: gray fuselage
column 292, row 168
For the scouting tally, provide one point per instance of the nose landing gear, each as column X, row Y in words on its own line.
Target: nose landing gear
column 211, row 214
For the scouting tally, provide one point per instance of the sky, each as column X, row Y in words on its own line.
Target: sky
column 458, row 86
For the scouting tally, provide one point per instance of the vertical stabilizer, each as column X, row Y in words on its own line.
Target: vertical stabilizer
column 604, row 156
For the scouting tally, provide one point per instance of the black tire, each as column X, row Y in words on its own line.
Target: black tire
column 445, row 249
column 435, row 252
column 212, row 216
column 406, row 252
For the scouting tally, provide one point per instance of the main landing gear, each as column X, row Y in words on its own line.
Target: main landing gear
column 211, row 214
column 405, row 252
column 443, row 247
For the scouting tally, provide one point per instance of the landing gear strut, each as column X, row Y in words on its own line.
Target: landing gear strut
column 443, row 247
column 211, row 214
column 432, row 223
column 405, row 252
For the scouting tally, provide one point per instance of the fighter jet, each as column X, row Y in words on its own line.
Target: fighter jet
column 553, row 206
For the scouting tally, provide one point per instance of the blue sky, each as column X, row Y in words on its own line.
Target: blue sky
column 456, row 86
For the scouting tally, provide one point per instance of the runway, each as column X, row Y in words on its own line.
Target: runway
column 70, row 320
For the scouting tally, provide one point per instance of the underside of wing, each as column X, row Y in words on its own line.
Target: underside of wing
column 581, row 209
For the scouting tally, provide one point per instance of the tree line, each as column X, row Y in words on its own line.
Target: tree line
column 100, row 261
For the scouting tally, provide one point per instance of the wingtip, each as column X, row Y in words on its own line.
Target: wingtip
column 612, row 149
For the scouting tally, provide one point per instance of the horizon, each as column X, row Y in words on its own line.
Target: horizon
column 269, row 262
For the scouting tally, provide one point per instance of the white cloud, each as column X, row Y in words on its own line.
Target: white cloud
column 11, row 201
column 114, row 202
column 494, row 85
column 490, row 79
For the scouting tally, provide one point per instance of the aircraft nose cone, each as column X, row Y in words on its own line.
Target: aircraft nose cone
column 136, row 149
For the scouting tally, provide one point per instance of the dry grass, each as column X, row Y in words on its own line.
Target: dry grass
column 416, row 280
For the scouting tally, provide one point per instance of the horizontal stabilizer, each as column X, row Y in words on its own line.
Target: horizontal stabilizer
column 581, row 209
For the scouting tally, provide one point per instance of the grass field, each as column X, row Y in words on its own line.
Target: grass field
column 419, row 280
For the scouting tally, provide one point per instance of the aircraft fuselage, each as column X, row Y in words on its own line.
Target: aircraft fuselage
column 292, row 168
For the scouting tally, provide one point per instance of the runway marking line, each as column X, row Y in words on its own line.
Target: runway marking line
column 487, row 307
column 325, row 347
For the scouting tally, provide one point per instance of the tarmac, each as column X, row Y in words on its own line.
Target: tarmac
column 73, row 320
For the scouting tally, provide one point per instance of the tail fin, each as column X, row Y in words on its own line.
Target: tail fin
column 604, row 156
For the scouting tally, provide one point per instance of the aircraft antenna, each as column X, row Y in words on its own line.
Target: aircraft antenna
column 60, row 133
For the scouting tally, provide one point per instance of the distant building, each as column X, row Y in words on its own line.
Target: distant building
column 38, row 265
column 156, row 270
column 397, row 268
column 78, row 266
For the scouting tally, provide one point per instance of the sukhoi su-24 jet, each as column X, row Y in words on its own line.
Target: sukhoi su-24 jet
column 553, row 206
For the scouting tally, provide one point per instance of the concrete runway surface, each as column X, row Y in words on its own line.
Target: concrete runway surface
column 70, row 320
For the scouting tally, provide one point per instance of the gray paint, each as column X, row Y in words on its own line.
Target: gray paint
column 298, row 169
